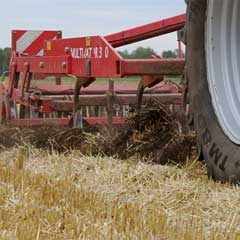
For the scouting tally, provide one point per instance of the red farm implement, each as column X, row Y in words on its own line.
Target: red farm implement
column 42, row 54
column 37, row 92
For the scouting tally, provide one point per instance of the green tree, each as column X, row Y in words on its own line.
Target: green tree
column 1, row 60
column 143, row 53
column 170, row 54
column 139, row 53
column 4, row 59
column 124, row 54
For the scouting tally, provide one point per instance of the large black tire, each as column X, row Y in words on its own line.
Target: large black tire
column 221, row 155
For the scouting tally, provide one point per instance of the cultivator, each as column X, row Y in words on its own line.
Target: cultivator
column 67, row 91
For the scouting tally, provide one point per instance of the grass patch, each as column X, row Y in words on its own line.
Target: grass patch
column 71, row 80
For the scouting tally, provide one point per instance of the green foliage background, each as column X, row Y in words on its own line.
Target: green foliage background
column 4, row 59
column 147, row 52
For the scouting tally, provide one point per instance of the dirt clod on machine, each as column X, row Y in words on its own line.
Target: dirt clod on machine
column 151, row 134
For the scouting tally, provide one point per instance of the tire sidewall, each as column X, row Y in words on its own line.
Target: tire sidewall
column 221, row 155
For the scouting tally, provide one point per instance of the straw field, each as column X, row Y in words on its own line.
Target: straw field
column 140, row 182
column 71, row 196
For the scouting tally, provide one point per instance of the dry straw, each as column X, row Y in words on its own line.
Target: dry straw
column 69, row 196
column 73, row 185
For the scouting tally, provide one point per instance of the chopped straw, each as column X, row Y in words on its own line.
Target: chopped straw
column 61, row 183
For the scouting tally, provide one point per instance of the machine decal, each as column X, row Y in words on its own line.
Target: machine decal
column 88, row 41
column 90, row 52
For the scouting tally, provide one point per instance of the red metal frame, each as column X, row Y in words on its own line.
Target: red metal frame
column 86, row 58
column 147, row 31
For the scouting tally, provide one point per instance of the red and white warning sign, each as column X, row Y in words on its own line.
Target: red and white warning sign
column 32, row 42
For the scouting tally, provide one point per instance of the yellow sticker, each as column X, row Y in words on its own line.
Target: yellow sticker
column 88, row 41
column 49, row 46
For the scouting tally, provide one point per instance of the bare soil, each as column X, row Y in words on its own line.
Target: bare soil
column 151, row 133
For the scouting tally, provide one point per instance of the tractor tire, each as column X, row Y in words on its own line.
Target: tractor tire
column 222, row 156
